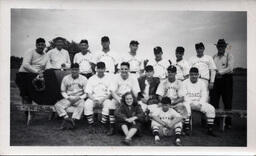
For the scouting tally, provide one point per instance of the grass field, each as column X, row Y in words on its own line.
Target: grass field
column 46, row 132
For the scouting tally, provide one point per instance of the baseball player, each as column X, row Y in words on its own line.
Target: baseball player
column 147, row 97
column 58, row 57
column 136, row 63
column 172, row 88
column 195, row 93
column 205, row 65
column 73, row 92
column 166, row 122
column 160, row 65
column 33, row 62
column 181, row 64
column 98, row 90
column 85, row 59
column 107, row 56
column 223, row 85
column 122, row 83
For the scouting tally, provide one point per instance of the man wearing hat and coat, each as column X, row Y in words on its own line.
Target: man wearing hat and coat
column 223, row 85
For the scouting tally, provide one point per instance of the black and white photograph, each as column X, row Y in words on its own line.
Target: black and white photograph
column 112, row 77
column 139, row 78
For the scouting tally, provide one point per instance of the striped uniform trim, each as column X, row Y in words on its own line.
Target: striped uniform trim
column 112, row 119
column 210, row 121
column 104, row 118
column 90, row 119
column 178, row 130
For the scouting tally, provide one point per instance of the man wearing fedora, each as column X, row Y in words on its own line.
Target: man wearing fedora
column 223, row 86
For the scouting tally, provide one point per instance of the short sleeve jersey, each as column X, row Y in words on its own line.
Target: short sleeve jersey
column 160, row 67
column 136, row 63
column 204, row 64
column 195, row 91
column 74, row 87
column 84, row 61
column 172, row 90
column 168, row 116
column 121, row 86
column 109, row 59
column 182, row 69
column 99, row 87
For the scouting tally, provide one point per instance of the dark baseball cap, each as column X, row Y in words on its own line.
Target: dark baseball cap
column 199, row 45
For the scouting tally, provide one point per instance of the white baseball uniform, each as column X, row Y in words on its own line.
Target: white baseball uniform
column 182, row 69
column 72, row 87
column 196, row 96
column 204, row 65
column 57, row 58
column 121, row 86
column 84, row 61
column 136, row 63
column 99, row 88
column 33, row 62
column 166, row 117
column 173, row 90
column 110, row 60
column 160, row 67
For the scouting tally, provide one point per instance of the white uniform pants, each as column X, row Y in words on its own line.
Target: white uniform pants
column 183, row 108
column 63, row 104
column 204, row 107
column 163, row 131
column 89, row 105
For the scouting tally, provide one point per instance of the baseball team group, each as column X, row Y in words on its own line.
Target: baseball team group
column 133, row 91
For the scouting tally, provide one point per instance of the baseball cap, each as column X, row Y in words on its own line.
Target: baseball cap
column 199, row 45
column 84, row 41
column 105, row 39
column 172, row 69
column 149, row 68
column 221, row 43
column 134, row 42
column 100, row 65
column 180, row 49
column 158, row 50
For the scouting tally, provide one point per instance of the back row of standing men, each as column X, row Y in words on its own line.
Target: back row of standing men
column 58, row 58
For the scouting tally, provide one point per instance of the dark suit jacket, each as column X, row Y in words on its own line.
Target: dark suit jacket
column 152, row 88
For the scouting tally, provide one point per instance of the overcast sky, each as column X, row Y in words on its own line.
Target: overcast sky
column 167, row 29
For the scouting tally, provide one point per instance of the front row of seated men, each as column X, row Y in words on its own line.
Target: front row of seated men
column 127, row 101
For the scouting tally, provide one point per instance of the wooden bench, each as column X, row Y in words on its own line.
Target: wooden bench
column 223, row 114
column 42, row 108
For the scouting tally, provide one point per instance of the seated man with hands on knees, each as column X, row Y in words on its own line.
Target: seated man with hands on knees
column 98, row 90
column 166, row 122
column 148, row 98
column 73, row 90
column 129, row 117
column 196, row 95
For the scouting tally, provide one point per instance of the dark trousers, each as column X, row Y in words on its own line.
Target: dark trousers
column 223, row 87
